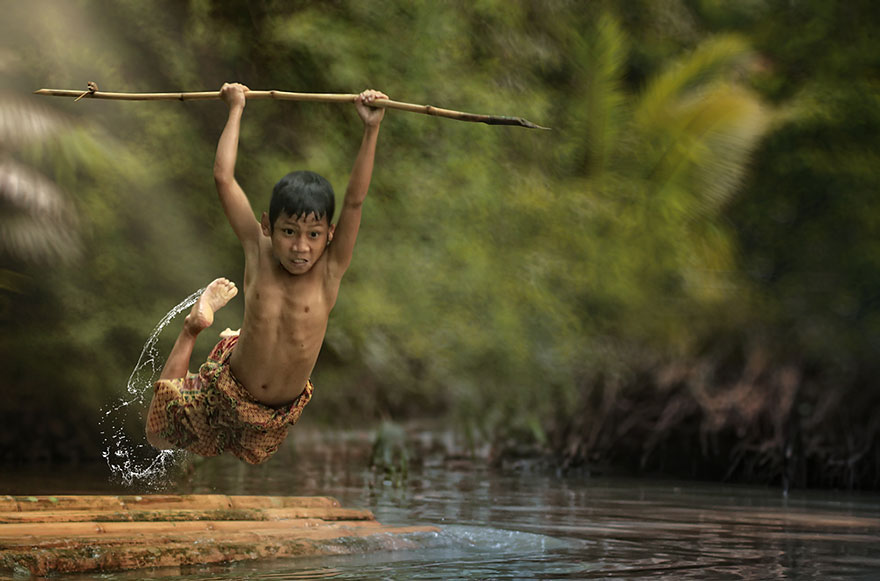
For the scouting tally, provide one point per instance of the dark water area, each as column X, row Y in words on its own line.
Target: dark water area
column 520, row 523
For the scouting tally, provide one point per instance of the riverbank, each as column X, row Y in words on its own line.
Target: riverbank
column 759, row 434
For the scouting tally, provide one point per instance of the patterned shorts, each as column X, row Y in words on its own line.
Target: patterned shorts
column 210, row 412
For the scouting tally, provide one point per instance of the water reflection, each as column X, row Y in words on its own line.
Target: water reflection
column 533, row 525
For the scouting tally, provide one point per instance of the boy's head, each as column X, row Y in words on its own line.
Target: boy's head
column 299, row 218
column 301, row 193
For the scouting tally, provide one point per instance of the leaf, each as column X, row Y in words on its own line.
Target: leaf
column 38, row 223
column 26, row 121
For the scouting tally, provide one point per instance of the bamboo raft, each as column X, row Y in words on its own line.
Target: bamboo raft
column 65, row 534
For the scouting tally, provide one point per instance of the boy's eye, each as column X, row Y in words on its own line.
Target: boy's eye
column 288, row 231
column 314, row 234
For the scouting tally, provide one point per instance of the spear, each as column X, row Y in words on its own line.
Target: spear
column 94, row 93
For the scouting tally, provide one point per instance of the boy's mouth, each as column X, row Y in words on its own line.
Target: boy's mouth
column 298, row 263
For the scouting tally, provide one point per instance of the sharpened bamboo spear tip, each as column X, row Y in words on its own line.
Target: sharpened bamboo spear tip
column 92, row 92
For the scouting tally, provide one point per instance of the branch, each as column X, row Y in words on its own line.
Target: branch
column 94, row 93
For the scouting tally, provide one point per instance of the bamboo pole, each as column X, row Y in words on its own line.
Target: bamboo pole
column 93, row 93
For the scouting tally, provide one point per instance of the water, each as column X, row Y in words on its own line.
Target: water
column 135, row 461
column 525, row 523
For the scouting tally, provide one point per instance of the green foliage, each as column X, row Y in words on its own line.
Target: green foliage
column 389, row 459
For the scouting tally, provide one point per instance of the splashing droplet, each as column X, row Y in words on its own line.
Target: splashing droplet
column 136, row 462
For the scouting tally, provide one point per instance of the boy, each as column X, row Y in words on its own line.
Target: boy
column 255, row 384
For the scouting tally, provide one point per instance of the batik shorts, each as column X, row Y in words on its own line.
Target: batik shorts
column 210, row 412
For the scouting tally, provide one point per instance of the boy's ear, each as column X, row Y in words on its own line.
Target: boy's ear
column 330, row 233
column 266, row 225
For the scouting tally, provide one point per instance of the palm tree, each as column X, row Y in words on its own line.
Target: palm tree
column 38, row 223
column 629, row 247
column 659, row 168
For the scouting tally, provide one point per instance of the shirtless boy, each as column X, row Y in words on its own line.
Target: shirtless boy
column 255, row 384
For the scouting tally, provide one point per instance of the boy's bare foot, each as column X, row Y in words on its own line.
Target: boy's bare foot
column 212, row 299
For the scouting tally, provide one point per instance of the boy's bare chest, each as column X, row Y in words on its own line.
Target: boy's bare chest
column 285, row 307
column 286, row 300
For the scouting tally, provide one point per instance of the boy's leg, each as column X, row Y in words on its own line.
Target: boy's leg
column 214, row 297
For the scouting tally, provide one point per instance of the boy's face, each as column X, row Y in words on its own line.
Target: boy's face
column 298, row 243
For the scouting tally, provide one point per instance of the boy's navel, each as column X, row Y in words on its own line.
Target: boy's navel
column 307, row 309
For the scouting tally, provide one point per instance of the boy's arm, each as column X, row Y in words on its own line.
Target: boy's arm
column 345, row 234
column 235, row 203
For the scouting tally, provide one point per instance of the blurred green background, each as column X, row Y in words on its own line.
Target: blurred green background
column 681, row 277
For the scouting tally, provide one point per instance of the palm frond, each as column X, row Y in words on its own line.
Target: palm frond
column 38, row 222
column 697, row 128
column 30, row 192
column 601, row 56
column 26, row 121
column 736, row 123
column 710, row 140
column 710, row 63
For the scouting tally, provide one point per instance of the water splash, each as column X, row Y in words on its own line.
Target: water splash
column 135, row 461
column 454, row 552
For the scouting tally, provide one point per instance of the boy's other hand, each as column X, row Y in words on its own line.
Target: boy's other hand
column 233, row 94
column 371, row 116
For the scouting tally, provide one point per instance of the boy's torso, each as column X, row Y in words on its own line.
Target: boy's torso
column 284, row 324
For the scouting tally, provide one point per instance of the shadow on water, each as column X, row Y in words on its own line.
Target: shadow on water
column 525, row 524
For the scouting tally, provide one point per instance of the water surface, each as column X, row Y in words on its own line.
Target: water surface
column 525, row 523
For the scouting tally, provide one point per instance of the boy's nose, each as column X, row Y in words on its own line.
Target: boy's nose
column 299, row 244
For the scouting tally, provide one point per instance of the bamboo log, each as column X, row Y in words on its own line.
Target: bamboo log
column 199, row 548
column 159, row 501
column 163, row 548
column 94, row 93
column 174, row 515
column 116, row 532
column 49, row 534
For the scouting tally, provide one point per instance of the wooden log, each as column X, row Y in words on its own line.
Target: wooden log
column 10, row 533
column 199, row 551
column 62, row 502
column 52, row 534
column 282, row 501
column 256, row 514
column 158, row 501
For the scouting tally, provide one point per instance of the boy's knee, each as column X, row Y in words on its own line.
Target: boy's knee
column 154, row 421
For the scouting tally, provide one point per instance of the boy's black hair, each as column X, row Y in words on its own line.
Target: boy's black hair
column 301, row 193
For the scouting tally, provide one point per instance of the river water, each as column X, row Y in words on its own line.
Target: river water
column 522, row 522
